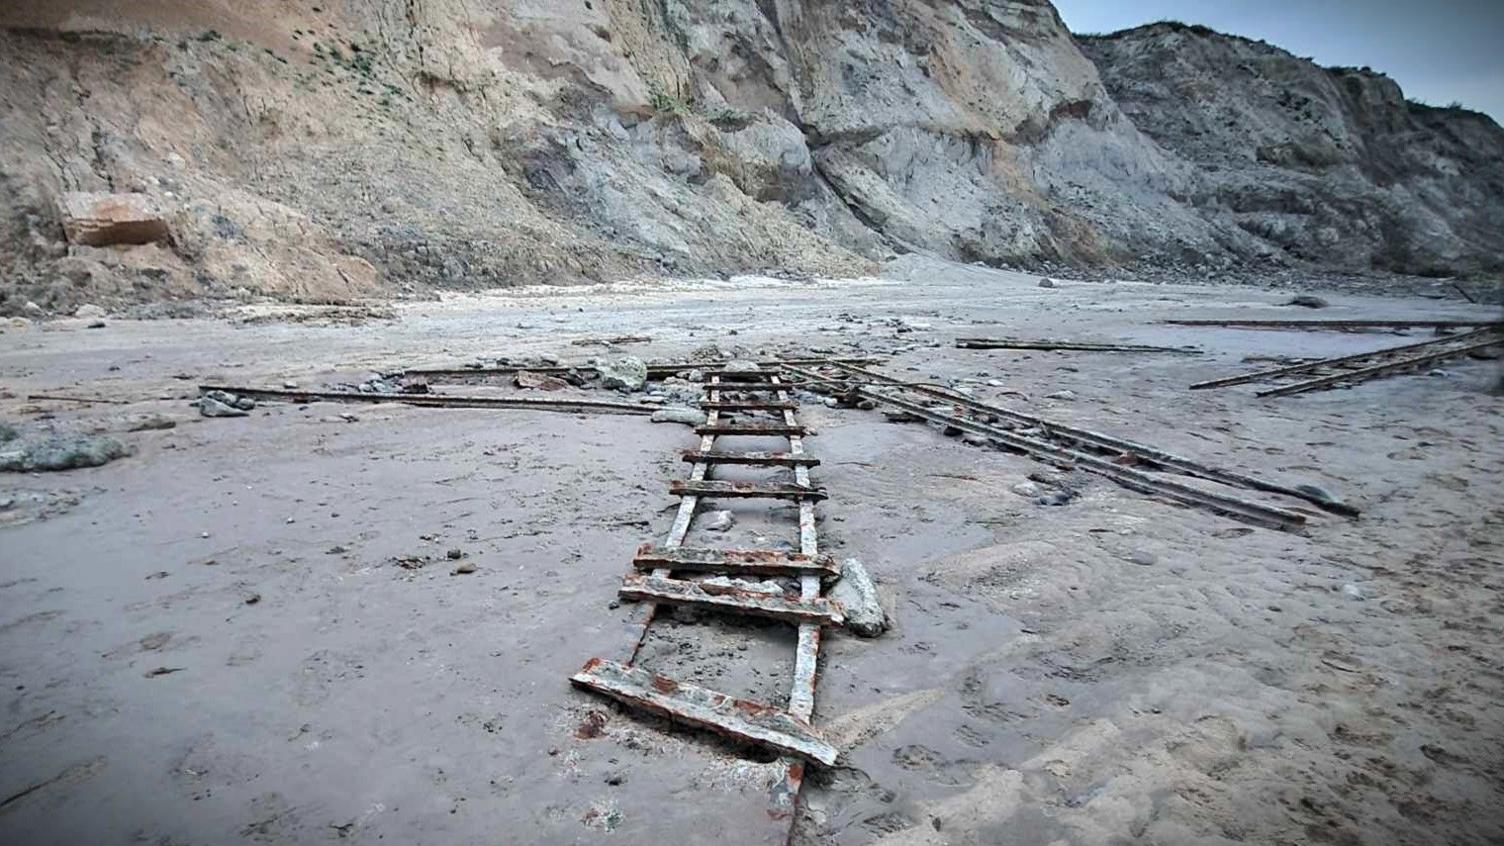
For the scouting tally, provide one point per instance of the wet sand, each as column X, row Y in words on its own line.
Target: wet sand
column 1040, row 684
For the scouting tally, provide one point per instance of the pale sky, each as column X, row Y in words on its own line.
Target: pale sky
column 1439, row 51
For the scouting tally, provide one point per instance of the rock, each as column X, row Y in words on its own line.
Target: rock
column 1061, row 395
column 464, row 568
column 741, row 365
column 627, row 373
column 975, row 439
column 1055, row 498
column 900, row 416
column 33, row 309
column 1026, row 489
column 244, row 403
column 1142, row 558
column 1047, row 283
column 1353, row 592
column 455, row 554
column 539, row 381
column 1307, row 301
column 8, row 432
column 96, row 324
column 210, row 407
column 150, row 422
column 61, row 452
column 679, row 414
column 102, row 219
column 725, row 583
column 88, row 310
column 1325, row 497
column 719, row 521
column 857, row 594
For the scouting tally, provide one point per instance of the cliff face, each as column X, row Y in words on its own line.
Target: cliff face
column 1328, row 165
column 359, row 146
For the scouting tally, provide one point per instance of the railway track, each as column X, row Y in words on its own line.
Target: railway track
column 669, row 574
column 1136, row 466
column 1349, row 370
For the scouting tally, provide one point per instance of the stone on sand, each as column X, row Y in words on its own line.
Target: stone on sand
column 61, row 452
column 627, row 373
column 679, row 414
column 719, row 521
column 210, row 407
column 857, row 594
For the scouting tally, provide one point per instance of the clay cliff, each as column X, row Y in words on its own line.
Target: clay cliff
column 353, row 147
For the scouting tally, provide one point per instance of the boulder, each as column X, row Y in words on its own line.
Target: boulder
column 627, row 373
column 62, row 452
column 857, row 594
column 101, row 219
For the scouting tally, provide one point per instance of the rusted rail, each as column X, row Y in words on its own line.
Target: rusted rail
column 655, row 371
column 1143, row 482
column 1082, row 346
column 786, row 729
column 1392, row 368
column 1335, row 325
column 1360, row 367
column 432, row 400
column 1099, row 443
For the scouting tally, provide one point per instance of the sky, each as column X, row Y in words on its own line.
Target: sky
column 1439, row 52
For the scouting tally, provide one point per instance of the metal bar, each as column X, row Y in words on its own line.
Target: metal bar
column 1376, row 371
column 749, row 387
column 1336, row 324
column 643, row 617
column 62, row 398
column 1252, row 512
column 819, row 610
column 1260, row 375
column 654, row 370
column 753, row 562
column 744, row 490
column 1085, row 346
column 433, row 400
column 747, row 405
column 758, row 459
column 736, row 718
column 1110, row 443
column 749, row 429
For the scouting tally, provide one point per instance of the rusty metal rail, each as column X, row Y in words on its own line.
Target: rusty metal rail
column 1081, row 346
column 655, row 371
column 1155, row 484
column 1364, row 366
column 1098, row 443
column 1336, row 325
column 433, row 400
column 786, row 729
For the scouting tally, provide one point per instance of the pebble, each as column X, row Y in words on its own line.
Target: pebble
column 719, row 521
column 1143, row 558
column 1353, row 592
column 679, row 414
column 1046, row 283
column 1026, row 489
column 1061, row 395
column 1307, row 301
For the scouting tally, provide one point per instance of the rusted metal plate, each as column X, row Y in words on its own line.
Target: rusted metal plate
column 747, row 562
column 751, row 722
column 780, row 429
column 785, row 606
column 749, row 405
column 754, row 458
column 744, row 490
